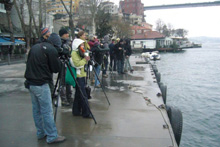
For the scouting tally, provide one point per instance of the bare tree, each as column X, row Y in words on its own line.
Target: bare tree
column 70, row 13
column 159, row 25
column 92, row 6
column 120, row 28
column 8, row 6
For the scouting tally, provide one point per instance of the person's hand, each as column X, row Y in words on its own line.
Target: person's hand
column 87, row 58
column 127, row 56
column 120, row 48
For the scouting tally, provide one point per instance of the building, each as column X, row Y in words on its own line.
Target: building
column 132, row 6
column 56, row 6
column 144, row 37
column 109, row 7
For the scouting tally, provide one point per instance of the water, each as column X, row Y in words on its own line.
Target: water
column 193, row 85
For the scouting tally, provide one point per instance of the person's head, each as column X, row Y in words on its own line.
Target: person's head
column 121, row 42
column 55, row 40
column 81, row 35
column 45, row 33
column 117, row 40
column 113, row 41
column 64, row 33
column 77, row 43
column 91, row 38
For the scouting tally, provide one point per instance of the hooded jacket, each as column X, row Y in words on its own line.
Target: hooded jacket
column 76, row 60
column 119, row 53
column 41, row 63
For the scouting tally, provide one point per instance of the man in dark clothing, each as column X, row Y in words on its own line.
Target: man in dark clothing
column 41, row 63
column 98, row 57
column 112, row 56
column 45, row 34
column 119, row 51
column 65, row 92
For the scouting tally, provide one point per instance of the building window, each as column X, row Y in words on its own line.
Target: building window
column 138, row 31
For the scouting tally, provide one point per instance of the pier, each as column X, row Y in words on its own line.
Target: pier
column 136, row 116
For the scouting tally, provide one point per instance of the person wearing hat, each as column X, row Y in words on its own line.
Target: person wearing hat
column 41, row 63
column 45, row 34
column 65, row 92
column 79, row 59
column 82, row 35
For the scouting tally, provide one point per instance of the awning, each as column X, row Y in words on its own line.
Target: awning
column 17, row 42
column 5, row 42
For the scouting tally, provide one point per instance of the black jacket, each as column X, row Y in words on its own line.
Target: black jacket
column 97, row 54
column 111, row 49
column 42, row 62
column 128, row 50
column 119, row 53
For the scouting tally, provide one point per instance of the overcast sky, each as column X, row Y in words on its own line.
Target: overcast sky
column 200, row 21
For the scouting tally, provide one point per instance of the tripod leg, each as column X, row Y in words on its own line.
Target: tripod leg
column 84, row 98
column 100, row 84
column 59, row 80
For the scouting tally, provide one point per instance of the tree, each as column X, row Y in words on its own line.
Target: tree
column 103, row 24
column 121, row 28
column 159, row 25
column 70, row 13
column 181, row 32
column 8, row 5
column 92, row 6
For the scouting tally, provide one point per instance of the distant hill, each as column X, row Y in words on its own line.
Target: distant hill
column 204, row 39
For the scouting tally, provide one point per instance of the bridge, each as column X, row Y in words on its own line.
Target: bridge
column 186, row 5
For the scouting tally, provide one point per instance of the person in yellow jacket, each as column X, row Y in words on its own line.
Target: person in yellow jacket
column 78, row 60
column 82, row 35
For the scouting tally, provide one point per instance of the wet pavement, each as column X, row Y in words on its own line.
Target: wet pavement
column 131, row 120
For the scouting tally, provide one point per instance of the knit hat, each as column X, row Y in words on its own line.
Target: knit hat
column 44, row 31
column 55, row 40
column 62, row 32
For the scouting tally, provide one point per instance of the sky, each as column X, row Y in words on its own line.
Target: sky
column 199, row 21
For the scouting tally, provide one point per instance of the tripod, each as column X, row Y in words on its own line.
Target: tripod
column 65, row 61
column 91, row 62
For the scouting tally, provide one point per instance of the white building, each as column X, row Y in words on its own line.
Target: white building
column 109, row 7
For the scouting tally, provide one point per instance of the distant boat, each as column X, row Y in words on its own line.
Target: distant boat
column 151, row 55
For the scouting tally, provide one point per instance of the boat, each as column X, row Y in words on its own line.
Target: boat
column 151, row 55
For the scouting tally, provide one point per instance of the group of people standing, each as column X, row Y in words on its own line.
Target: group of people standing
column 120, row 52
column 44, row 60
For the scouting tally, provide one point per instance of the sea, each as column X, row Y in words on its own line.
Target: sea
column 192, row 77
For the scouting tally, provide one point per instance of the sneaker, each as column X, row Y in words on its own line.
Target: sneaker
column 58, row 139
column 105, row 76
column 65, row 103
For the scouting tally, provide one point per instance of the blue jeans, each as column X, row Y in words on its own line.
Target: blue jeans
column 43, row 112
column 97, row 70
column 127, row 64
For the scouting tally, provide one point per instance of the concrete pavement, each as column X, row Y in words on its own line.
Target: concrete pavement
column 129, row 121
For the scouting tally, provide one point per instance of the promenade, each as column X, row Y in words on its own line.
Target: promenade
column 130, row 120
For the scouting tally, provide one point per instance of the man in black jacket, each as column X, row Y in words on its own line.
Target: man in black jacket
column 65, row 92
column 119, row 51
column 41, row 63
